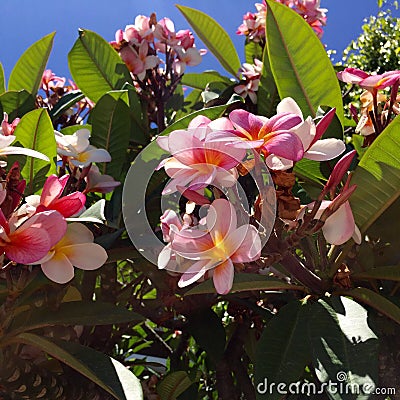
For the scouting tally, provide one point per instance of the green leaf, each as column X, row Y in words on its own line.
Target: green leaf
column 35, row 131
column 377, row 177
column 246, row 282
column 310, row 171
column 103, row 370
column 74, row 313
column 65, row 103
column 282, row 352
column 252, row 50
column 201, row 80
column 28, row 71
column 345, row 349
column 95, row 66
column 299, row 63
column 95, row 213
column 173, row 385
column 2, row 79
column 387, row 272
column 214, row 37
column 17, row 104
column 70, row 130
column 267, row 96
column 111, row 128
column 207, row 329
column 375, row 300
column 210, row 112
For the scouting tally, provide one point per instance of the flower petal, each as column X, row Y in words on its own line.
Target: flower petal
column 58, row 269
column 223, row 277
column 340, row 226
column 86, row 256
column 325, row 149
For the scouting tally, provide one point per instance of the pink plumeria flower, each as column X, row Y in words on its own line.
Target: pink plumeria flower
column 141, row 30
column 164, row 31
column 78, row 149
column 185, row 38
column 138, row 62
column 197, row 161
column 251, row 74
column 190, row 57
column 310, row 135
column 217, row 248
column 99, row 183
column 6, row 128
column 51, row 81
column 52, row 199
column 340, row 226
column 30, row 241
column 368, row 82
column 75, row 249
column 266, row 135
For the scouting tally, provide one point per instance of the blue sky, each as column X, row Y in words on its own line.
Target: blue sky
column 22, row 22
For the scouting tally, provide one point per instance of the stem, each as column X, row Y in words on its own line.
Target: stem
column 301, row 273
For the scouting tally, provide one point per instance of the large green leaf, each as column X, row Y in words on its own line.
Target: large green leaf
column 103, row 370
column 282, row 352
column 95, row 66
column 35, row 131
column 16, row 104
column 345, row 349
column 28, row 71
column 111, row 127
column 73, row 313
column 173, row 385
column 214, row 37
column 65, row 103
column 267, row 97
column 299, row 63
column 387, row 272
column 247, row 282
column 377, row 177
column 2, row 79
column 200, row 81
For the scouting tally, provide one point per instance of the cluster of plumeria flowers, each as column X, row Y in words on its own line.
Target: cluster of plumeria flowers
column 377, row 106
column 253, row 26
column 54, row 87
column 209, row 154
column 41, row 229
column 140, row 45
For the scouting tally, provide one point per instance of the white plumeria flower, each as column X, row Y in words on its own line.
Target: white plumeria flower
column 314, row 148
column 78, row 149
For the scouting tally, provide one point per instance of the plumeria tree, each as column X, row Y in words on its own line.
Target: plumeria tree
column 168, row 234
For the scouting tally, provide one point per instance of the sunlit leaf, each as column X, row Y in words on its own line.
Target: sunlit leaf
column 35, row 131
column 103, row 370
column 200, row 80
column 173, row 385
column 111, row 128
column 2, row 80
column 345, row 348
column 377, row 177
column 214, row 37
column 65, row 103
column 28, row 71
column 299, row 63
column 95, row 66
column 17, row 104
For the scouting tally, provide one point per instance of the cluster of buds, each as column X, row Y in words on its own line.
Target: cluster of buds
column 206, row 162
column 253, row 25
column 141, row 46
column 34, row 230
column 249, row 75
column 377, row 108
column 54, row 87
